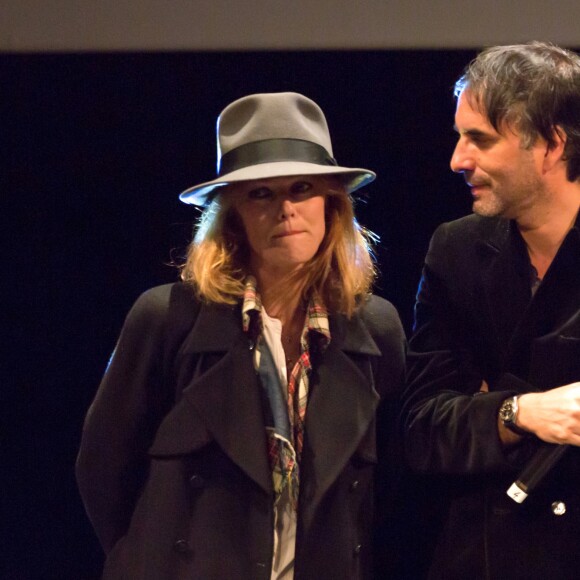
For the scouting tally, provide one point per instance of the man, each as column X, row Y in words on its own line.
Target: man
column 494, row 362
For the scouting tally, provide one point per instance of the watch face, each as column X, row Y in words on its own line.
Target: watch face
column 506, row 412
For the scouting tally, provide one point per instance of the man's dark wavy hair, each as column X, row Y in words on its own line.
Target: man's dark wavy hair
column 535, row 87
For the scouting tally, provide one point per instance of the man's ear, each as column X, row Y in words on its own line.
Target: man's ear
column 555, row 148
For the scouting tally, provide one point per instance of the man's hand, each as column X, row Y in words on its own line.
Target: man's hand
column 553, row 416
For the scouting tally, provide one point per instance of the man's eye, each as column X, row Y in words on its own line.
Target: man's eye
column 260, row 193
column 478, row 139
column 483, row 141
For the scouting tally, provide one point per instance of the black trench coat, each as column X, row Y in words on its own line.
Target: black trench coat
column 173, row 467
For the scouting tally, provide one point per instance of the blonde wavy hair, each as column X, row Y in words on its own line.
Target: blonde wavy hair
column 341, row 273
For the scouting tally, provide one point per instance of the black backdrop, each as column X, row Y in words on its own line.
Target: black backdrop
column 94, row 149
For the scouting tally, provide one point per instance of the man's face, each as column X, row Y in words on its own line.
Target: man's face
column 505, row 178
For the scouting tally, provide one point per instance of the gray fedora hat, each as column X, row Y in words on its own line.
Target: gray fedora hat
column 273, row 135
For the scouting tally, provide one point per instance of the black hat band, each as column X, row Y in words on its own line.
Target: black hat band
column 273, row 150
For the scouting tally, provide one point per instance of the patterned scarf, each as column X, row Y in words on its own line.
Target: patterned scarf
column 285, row 418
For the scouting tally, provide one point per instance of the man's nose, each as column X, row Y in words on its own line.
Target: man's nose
column 461, row 160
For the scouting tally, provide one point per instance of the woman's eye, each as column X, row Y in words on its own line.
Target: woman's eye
column 260, row 193
column 301, row 187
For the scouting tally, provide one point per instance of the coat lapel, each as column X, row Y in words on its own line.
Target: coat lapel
column 227, row 396
column 340, row 410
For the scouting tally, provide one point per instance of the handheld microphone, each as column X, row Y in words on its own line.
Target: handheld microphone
column 536, row 469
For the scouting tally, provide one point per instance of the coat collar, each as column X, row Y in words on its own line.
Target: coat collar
column 341, row 406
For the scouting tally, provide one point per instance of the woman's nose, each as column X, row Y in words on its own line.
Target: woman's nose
column 287, row 208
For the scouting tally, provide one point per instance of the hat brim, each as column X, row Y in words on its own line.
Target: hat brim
column 354, row 178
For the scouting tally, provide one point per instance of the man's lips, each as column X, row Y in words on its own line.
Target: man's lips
column 477, row 187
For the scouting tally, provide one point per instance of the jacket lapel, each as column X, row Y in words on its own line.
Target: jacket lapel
column 227, row 396
column 506, row 281
column 518, row 318
column 556, row 302
column 340, row 410
column 558, row 297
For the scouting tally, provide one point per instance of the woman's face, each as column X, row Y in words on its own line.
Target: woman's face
column 283, row 218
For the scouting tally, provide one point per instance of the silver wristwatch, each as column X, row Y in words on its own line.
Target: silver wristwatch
column 508, row 414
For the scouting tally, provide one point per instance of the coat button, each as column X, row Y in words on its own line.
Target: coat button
column 354, row 485
column 181, row 546
column 559, row 508
column 357, row 549
column 196, row 481
column 262, row 572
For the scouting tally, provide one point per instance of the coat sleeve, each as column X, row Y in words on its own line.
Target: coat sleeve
column 450, row 426
column 384, row 325
column 404, row 519
column 118, row 428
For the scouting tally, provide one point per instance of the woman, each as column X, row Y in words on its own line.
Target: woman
column 234, row 433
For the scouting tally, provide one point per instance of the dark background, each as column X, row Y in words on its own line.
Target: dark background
column 94, row 149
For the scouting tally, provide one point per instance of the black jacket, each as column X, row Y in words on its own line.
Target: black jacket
column 476, row 320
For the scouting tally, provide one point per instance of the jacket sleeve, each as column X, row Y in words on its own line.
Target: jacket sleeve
column 118, row 428
column 450, row 426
